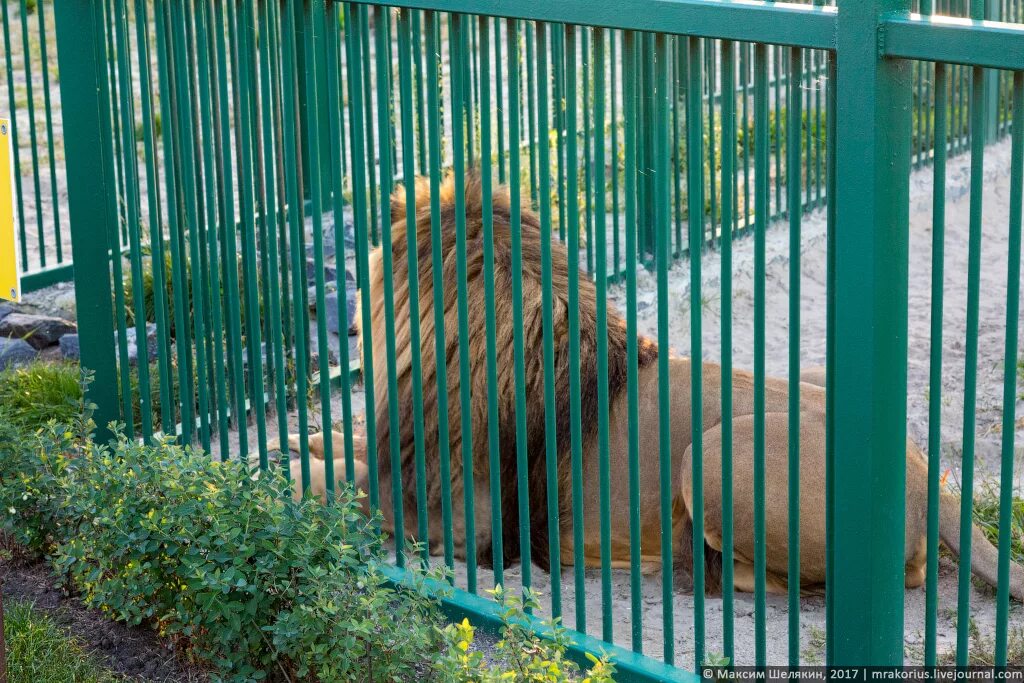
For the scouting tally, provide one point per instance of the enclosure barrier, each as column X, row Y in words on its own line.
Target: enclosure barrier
column 31, row 83
column 282, row 122
column 34, row 106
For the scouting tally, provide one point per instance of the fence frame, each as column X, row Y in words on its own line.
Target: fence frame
column 869, row 44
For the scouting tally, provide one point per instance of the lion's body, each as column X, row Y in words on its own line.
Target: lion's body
column 776, row 451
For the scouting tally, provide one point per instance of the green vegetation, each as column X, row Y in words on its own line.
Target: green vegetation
column 33, row 394
column 520, row 655
column 39, row 651
column 986, row 516
column 981, row 651
column 246, row 581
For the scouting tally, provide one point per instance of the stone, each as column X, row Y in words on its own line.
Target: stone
column 69, row 348
column 133, row 351
column 6, row 310
column 331, row 303
column 14, row 352
column 39, row 331
column 330, row 272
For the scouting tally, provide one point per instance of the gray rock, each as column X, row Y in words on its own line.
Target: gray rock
column 39, row 331
column 14, row 351
column 332, row 312
column 133, row 351
column 330, row 272
column 6, row 310
column 69, row 347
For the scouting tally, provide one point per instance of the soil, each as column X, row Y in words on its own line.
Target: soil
column 133, row 651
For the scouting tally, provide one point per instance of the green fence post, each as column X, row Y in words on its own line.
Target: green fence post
column 993, row 12
column 80, row 55
column 869, row 416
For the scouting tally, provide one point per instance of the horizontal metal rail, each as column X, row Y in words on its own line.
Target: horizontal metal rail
column 780, row 23
column 953, row 40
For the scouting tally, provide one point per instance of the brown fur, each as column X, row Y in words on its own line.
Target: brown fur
column 532, row 241
column 776, row 405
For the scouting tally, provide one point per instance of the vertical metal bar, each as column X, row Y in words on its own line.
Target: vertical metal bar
column 312, row 10
column 761, row 199
column 601, row 277
column 45, row 69
column 977, row 115
column 712, row 64
column 31, row 104
column 515, row 230
column 458, row 93
column 440, row 346
column 531, row 107
column 500, row 104
column 614, row 87
column 1010, row 369
column 575, row 398
column 228, row 232
column 487, row 217
column 870, row 354
column 80, row 55
column 384, row 156
column 695, row 211
column 131, row 199
column 158, row 265
column 661, row 233
column 728, row 202
column 550, row 418
column 296, row 225
column 795, row 119
column 270, row 217
column 935, row 370
column 830, row 355
column 337, row 113
column 629, row 107
column 193, row 272
column 247, row 204
column 588, row 191
column 412, row 251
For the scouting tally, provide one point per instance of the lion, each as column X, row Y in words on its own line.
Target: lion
column 812, row 420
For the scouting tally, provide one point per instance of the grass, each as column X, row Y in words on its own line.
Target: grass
column 40, row 391
column 40, row 651
column 981, row 651
column 986, row 516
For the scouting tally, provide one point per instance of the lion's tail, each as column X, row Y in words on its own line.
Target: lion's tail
column 984, row 555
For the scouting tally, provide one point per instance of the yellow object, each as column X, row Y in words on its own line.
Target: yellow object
column 10, row 286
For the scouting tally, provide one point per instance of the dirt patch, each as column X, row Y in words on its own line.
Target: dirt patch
column 134, row 651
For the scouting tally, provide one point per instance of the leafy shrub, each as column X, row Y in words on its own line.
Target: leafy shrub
column 259, row 587
column 521, row 654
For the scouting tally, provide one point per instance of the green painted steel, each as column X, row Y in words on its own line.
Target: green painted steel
column 869, row 411
column 573, row 242
column 629, row 103
column 1009, row 376
column 935, row 371
column 261, row 150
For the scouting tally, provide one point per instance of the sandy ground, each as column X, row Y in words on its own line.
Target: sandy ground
column 990, row 377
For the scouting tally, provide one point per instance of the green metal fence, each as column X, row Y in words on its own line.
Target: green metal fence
column 31, row 89
column 229, row 163
column 31, row 83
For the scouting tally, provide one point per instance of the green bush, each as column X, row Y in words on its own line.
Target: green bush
column 251, row 584
column 520, row 655
column 255, row 585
